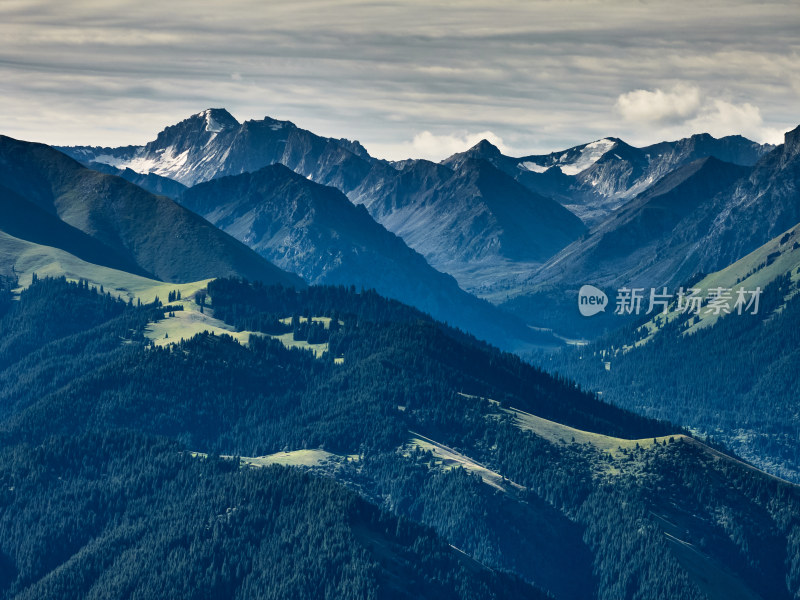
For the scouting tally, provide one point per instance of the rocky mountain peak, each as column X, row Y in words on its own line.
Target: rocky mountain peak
column 217, row 119
column 484, row 149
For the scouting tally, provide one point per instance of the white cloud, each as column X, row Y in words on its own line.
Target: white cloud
column 658, row 106
column 685, row 109
column 436, row 147
column 720, row 118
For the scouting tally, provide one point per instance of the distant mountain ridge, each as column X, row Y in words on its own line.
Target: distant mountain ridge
column 591, row 178
column 465, row 215
column 213, row 143
column 595, row 178
column 472, row 221
column 482, row 214
column 763, row 205
column 645, row 242
column 699, row 218
column 305, row 227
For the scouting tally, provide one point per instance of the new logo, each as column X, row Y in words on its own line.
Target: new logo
column 591, row 300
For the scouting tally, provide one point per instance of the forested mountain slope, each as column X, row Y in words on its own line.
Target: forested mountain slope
column 659, row 518
column 731, row 376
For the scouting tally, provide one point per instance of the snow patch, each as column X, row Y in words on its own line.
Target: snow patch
column 589, row 155
column 167, row 164
column 533, row 167
column 137, row 163
column 212, row 126
column 567, row 161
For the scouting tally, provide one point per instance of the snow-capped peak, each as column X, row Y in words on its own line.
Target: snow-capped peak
column 572, row 161
column 211, row 124
column 589, row 155
column 217, row 119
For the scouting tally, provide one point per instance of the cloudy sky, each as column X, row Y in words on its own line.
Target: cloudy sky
column 406, row 78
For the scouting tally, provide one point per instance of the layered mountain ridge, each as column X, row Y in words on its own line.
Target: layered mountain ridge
column 595, row 178
column 699, row 218
column 477, row 200
column 473, row 221
column 645, row 244
column 463, row 215
column 106, row 219
column 494, row 221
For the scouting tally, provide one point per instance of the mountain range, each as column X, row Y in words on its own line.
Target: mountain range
column 595, row 178
column 699, row 218
column 201, row 388
column 511, row 224
column 463, row 215
column 474, row 221
column 494, row 221
column 213, row 143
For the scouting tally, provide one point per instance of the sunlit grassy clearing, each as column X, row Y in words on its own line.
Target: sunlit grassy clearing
column 326, row 321
column 563, row 434
column 294, row 458
column 189, row 323
column 450, row 459
column 287, row 339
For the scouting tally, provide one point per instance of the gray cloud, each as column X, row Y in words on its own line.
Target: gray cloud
column 540, row 75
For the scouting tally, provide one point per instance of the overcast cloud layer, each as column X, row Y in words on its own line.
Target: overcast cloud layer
column 421, row 79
